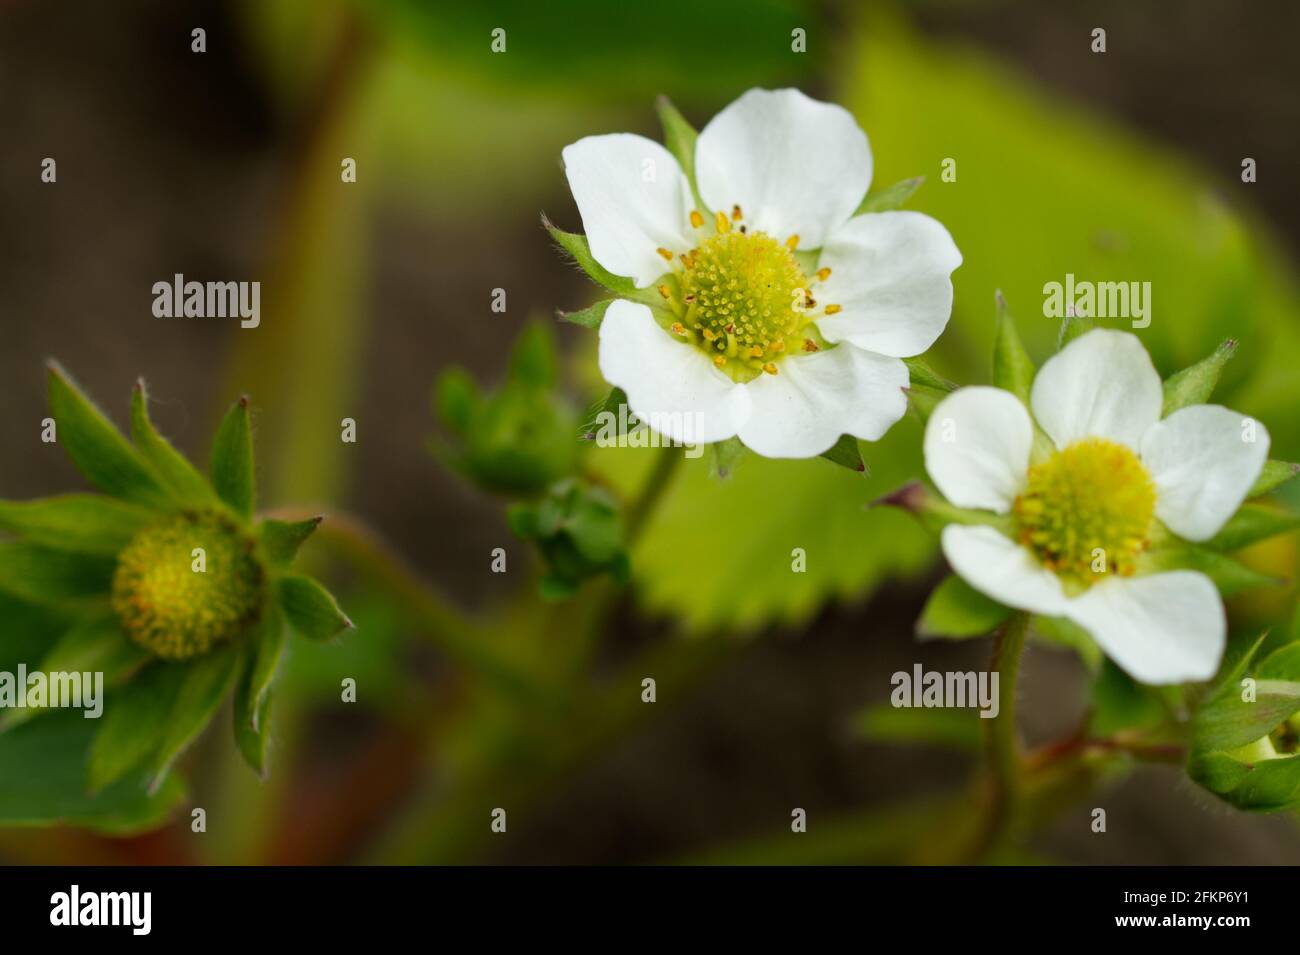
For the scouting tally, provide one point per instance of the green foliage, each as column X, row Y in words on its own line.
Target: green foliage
column 578, row 531
column 957, row 610
column 1195, row 384
column 520, row 439
column 172, row 468
column 310, row 609
column 891, row 197
column 282, row 539
column 576, row 247
column 1013, row 369
column 846, row 453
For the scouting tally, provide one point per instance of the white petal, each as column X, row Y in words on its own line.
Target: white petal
column 891, row 275
column 670, row 385
column 633, row 199
column 997, row 566
column 1203, row 467
column 792, row 164
column 977, row 444
column 814, row 398
column 1165, row 628
column 1101, row 385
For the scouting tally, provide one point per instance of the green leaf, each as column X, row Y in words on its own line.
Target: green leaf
column 589, row 317
column 957, row 729
column 134, row 722
column 1225, row 720
column 94, row 645
column 310, row 609
column 679, row 138
column 957, row 610
column 1013, row 370
column 576, row 246
column 97, row 448
column 1253, row 522
column 45, row 576
column 232, row 461
column 891, row 197
column 173, row 469
column 282, row 539
column 43, row 765
column 845, row 453
column 725, row 456
column 1274, row 475
column 83, row 523
column 1194, row 385
column 206, row 683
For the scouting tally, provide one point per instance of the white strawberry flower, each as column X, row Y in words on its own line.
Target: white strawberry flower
column 1083, row 505
column 783, row 317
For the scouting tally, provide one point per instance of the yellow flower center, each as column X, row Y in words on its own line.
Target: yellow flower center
column 743, row 298
column 1087, row 510
column 183, row 586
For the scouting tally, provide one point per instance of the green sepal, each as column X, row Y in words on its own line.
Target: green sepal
column 679, row 138
column 231, row 465
column 1072, row 326
column 206, row 684
column 725, row 456
column 1013, row 370
column 589, row 317
column 576, row 246
column 1194, row 384
column 310, row 609
column 456, row 397
column 1226, row 721
column 1253, row 522
column 846, row 453
column 254, row 742
column 97, row 448
column 609, row 404
column 173, row 469
column 891, row 197
column 253, row 689
column 925, row 389
column 1229, row 575
column 92, row 645
column 43, row 575
column 282, row 539
column 134, row 722
column 936, row 513
column 533, row 361
column 956, row 610
column 1273, row 476
column 81, row 523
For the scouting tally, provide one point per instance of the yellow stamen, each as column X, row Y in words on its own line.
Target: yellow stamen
column 832, row 309
column 720, row 361
column 665, row 291
column 770, row 368
column 697, row 220
column 792, row 243
column 736, row 213
column 668, row 256
column 823, row 274
column 810, row 345
column 724, row 224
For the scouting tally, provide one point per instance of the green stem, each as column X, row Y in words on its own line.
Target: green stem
column 652, row 492
column 1001, row 747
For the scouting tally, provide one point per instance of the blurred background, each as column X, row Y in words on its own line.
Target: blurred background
column 225, row 165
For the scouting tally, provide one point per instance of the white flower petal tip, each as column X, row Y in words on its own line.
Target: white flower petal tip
column 796, row 166
column 977, row 444
column 891, row 275
column 1000, row 568
column 670, row 385
column 1102, row 385
column 633, row 199
column 1203, row 460
column 1162, row 629
column 801, row 411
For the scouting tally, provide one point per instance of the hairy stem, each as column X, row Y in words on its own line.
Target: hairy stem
column 1001, row 747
